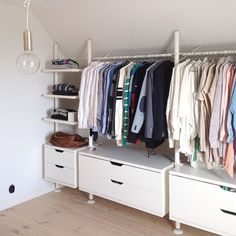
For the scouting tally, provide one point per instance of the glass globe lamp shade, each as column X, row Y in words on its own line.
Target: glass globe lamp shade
column 28, row 63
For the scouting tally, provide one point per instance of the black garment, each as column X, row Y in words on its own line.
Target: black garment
column 136, row 89
column 94, row 134
column 61, row 113
column 112, row 98
column 161, row 85
column 64, row 87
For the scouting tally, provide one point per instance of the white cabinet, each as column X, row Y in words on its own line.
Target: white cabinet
column 61, row 165
column 126, row 176
column 198, row 199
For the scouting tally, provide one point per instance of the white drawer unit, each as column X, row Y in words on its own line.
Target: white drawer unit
column 120, row 174
column 60, row 156
column 61, row 165
column 202, row 202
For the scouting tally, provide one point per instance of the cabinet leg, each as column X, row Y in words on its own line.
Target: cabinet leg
column 91, row 199
column 57, row 188
column 177, row 229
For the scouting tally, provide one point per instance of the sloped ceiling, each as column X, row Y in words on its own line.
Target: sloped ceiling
column 132, row 26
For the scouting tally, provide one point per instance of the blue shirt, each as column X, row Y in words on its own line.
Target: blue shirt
column 108, row 78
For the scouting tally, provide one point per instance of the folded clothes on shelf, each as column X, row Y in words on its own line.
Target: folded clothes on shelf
column 62, row 64
column 65, row 89
column 64, row 114
column 62, row 139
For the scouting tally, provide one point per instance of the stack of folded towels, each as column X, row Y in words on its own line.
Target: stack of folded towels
column 65, row 89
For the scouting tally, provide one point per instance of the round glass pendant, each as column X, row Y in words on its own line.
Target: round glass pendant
column 28, row 63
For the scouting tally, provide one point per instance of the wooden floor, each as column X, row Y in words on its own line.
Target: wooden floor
column 67, row 214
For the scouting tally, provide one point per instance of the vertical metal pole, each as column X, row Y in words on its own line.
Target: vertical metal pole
column 55, row 81
column 55, row 100
column 177, row 155
column 89, row 57
column 177, row 229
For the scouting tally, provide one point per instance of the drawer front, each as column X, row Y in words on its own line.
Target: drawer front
column 64, row 175
column 60, row 157
column 137, row 177
column 140, row 178
column 93, row 178
column 202, row 204
column 136, row 197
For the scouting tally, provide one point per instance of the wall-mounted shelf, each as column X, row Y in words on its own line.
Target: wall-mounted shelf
column 59, row 96
column 60, row 121
column 62, row 70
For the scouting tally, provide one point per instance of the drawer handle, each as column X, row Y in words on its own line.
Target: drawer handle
column 57, row 150
column 228, row 189
column 116, row 163
column 58, row 166
column 229, row 212
column 116, row 182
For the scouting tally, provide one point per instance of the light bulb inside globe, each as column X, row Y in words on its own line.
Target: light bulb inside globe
column 28, row 63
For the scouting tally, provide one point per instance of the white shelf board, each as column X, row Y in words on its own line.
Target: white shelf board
column 60, row 96
column 61, row 70
column 49, row 145
column 60, row 121
column 214, row 176
column 134, row 155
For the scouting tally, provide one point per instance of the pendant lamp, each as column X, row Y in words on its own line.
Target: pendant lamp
column 27, row 62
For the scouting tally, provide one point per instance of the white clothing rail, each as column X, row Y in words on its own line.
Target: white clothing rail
column 218, row 53
column 110, row 58
column 206, row 53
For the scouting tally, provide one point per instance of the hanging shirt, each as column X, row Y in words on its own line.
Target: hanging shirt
column 140, row 111
column 84, row 101
column 202, row 107
column 149, row 123
column 215, row 116
column 231, row 122
column 126, row 107
column 119, row 102
column 112, row 100
column 161, row 84
column 184, row 109
column 94, row 98
column 109, row 78
column 101, row 96
column 136, row 89
column 227, row 89
column 173, row 103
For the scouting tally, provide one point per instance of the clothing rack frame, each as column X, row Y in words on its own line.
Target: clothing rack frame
column 176, row 55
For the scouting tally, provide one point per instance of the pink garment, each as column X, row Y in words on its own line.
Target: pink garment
column 230, row 152
column 225, row 103
column 229, row 160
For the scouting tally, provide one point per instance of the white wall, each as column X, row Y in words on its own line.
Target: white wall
column 22, row 132
column 132, row 26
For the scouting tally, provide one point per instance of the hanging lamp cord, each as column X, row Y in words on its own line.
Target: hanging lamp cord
column 26, row 5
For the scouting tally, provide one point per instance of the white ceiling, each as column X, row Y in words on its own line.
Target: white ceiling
column 128, row 26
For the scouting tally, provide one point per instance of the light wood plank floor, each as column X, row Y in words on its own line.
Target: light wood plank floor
column 68, row 214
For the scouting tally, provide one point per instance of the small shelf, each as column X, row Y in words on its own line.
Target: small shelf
column 60, row 121
column 60, row 96
column 61, row 70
